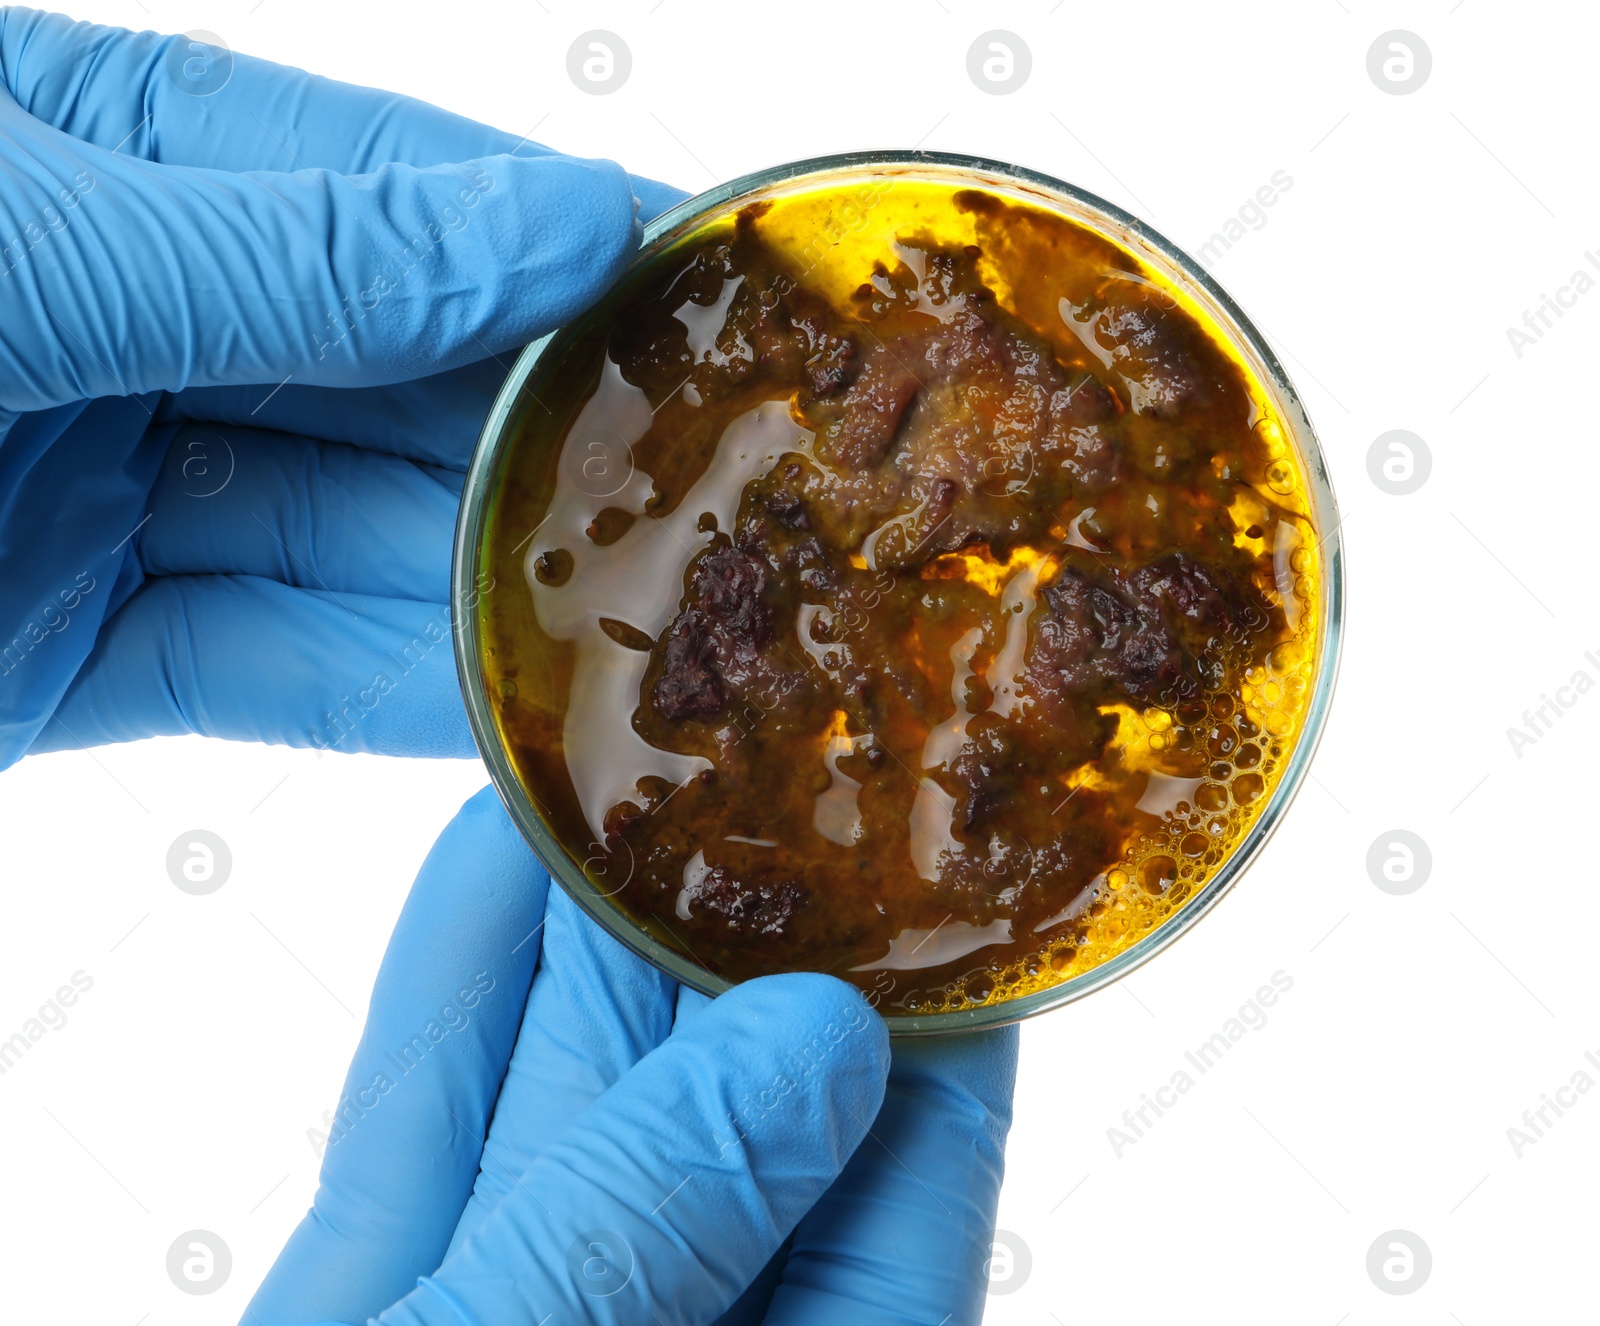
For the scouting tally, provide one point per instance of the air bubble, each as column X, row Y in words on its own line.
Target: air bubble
column 1271, row 436
column 1223, row 741
column 1157, row 874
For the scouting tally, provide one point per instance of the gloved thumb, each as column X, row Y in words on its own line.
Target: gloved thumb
column 675, row 1188
column 143, row 276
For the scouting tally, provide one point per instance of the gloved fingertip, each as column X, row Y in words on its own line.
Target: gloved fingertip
column 484, row 805
column 483, row 834
column 558, row 230
column 654, row 198
column 810, row 1023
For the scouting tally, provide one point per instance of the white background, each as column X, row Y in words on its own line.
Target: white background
column 1417, row 230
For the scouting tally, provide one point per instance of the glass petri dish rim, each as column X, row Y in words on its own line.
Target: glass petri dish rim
column 1122, row 227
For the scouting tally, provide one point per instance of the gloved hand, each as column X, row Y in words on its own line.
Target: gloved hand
column 650, row 1155
column 246, row 325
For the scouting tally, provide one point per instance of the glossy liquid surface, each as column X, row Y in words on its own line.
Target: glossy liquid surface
column 902, row 582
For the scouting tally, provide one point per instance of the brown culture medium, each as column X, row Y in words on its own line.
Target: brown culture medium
column 932, row 604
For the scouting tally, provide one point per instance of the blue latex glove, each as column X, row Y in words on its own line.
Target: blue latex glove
column 650, row 1155
column 185, row 544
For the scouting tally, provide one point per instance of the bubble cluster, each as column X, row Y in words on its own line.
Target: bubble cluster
column 1247, row 734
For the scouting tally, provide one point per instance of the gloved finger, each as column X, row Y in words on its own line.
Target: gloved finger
column 175, row 100
column 674, row 1189
column 435, row 420
column 573, row 1048
column 317, row 515
column 904, row 1235
column 751, row 1305
column 255, row 660
column 65, row 559
column 403, row 1147
column 165, row 277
